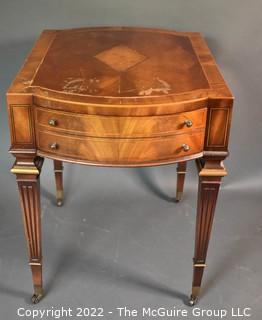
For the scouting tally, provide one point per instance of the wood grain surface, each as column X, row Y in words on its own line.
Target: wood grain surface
column 119, row 97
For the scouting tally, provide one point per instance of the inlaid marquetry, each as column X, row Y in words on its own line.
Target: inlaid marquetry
column 24, row 135
column 120, row 97
column 120, row 57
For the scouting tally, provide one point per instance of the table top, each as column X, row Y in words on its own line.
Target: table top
column 121, row 66
column 119, row 97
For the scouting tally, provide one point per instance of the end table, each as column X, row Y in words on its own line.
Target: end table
column 126, row 97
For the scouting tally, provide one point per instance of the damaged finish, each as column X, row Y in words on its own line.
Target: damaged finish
column 161, row 86
column 119, row 96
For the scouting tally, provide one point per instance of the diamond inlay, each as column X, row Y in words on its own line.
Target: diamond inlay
column 120, row 58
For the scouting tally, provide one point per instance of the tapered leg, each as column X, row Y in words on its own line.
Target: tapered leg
column 209, row 182
column 58, row 169
column 181, row 172
column 29, row 191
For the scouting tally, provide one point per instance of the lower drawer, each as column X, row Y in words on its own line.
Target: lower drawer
column 121, row 151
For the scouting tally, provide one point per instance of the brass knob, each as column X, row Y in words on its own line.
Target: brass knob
column 188, row 123
column 54, row 146
column 185, row 147
column 52, row 122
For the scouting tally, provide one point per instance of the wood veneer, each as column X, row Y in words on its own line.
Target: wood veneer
column 119, row 97
column 117, row 126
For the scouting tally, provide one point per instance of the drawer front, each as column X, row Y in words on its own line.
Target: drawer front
column 121, row 151
column 119, row 127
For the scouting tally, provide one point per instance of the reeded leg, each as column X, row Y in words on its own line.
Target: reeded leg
column 27, row 176
column 181, row 172
column 58, row 169
column 209, row 182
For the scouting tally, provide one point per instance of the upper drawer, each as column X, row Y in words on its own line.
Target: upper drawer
column 121, row 127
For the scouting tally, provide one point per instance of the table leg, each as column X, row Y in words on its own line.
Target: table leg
column 27, row 176
column 181, row 172
column 210, row 176
column 58, row 170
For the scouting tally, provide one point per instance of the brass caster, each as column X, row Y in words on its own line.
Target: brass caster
column 179, row 196
column 36, row 298
column 59, row 203
column 59, row 198
column 192, row 300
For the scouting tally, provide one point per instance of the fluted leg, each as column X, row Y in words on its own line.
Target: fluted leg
column 58, row 169
column 181, row 172
column 29, row 190
column 209, row 182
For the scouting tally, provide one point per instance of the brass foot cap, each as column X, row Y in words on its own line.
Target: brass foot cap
column 192, row 300
column 59, row 197
column 36, row 298
column 179, row 196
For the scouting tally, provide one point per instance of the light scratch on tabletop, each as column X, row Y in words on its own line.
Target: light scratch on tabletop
column 159, row 86
column 80, row 85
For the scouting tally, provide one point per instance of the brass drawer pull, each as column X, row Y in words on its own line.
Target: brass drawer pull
column 188, row 123
column 185, row 147
column 52, row 122
column 54, row 146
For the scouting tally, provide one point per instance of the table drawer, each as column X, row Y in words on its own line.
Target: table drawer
column 124, row 127
column 121, row 151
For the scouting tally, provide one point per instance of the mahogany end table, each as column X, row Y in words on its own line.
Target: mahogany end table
column 126, row 97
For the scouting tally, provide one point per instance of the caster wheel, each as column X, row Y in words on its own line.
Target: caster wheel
column 36, row 298
column 59, row 203
column 192, row 301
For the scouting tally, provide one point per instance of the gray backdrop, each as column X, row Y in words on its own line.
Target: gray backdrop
column 120, row 240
